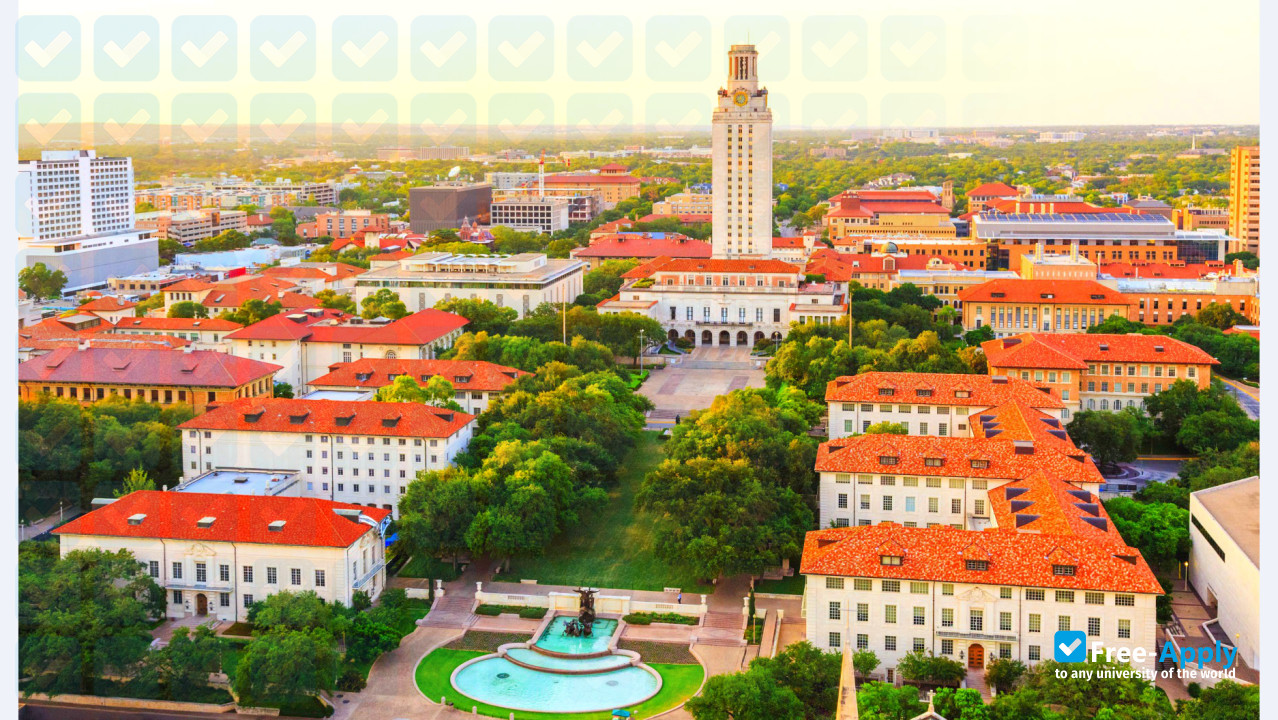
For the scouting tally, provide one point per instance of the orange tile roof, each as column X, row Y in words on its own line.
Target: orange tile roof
column 992, row 189
column 342, row 270
column 1076, row 292
column 938, row 388
column 334, row 417
column 1238, row 329
column 938, row 554
column 463, row 374
column 199, row 368
column 286, row 326
column 591, row 179
column 1176, row 271
column 105, row 340
column 692, row 265
column 182, row 324
column 634, row 245
column 1078, row 350
column 109, row 303
column 309, row 522
column 787, row 242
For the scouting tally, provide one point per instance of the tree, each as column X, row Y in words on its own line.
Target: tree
column 283, row 390
column 965, row 704
column 188, row 309
column 183, row 666
column 715, row 516
column 333, row 300
column 974, row 338
column 436, row 511
column 481, row 315
column 169, row 249
column 437, row 391
column 136, row 480
column 810, row 673
column 366, row 640
column 1226, row 700
column 753, row 695
column 41, row 283
column 1111, row 437
column 144, row 308
column 1249, row 259
column 288, row 610
column 287, row 665
column 930, row 668
column 226, row 240
column 84, row 616
column 1111, row 693
column 865, row 662
column 383, row 303
column 605, row 280
column 1216, row 430
column 1183, row 399
column 880, row 701
column 1220, row 316
column 1002, row 673
column 253, row 311
column 1159, row 530
column 887, row 427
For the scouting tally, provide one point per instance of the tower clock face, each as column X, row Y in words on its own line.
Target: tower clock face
column 740, row 97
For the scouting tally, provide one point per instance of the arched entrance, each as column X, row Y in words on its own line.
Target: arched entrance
column 776, row 337
column 707, row 338
column 690, row 336
column 975, row 657
column 741, row 337
column 725, row 338
column 672, row 335
column 201, row 604
column 758, row 335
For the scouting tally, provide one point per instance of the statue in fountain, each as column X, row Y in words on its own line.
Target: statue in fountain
column 581, row 627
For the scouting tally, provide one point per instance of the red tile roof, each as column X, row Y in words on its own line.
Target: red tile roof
column 993, row 189
column 463, row 374
column 902, row 195
column 1075, row 292
column 1243, row 330
column 591, row 178
column 734, row 265
column 421, row 328
column 287, row 326
column 182, row 324
column 635, row 245
column 309, row 522
column 1177, row 271
column 56, row 327
column 109, row 303
column 787, row 242
column 105, row 340
column 939, row 389
column 199, row 368
column 1078, row 350
column 685, row 218
column 336, row 417
column 1033, row 206
column 342, row 271
column 939, row 554
column 854, row 263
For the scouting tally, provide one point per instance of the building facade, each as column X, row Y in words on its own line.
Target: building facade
column 476, row 383
column 358, row 452
column 685, row 203
column 543, row 214
column 1224, row 561
column 447, row 206
column 1053, row 306
column 741, row 141
column 216, row 555
column 1244, row 199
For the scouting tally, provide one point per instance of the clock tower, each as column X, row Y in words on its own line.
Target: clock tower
column 741, row 145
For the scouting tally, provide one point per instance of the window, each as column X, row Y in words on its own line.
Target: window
column 1035, row 652
column 1124, row 629
column 843, row 501
column 947, row 617
column 834, row 583
column 177, row 597
column 919, row 616
column 248, row 601
column 977, row 565
column 947, row 647
column 201, row 572
column 1035, row 623
column 295, row 576
column 1005, row 621
column 1125, row 600
column 224, row 599
column 889, row 643
column 1094, row 598
column 836, row 610
column 865, row 502
column 976, row 620
column 918, row 588
column 1062, row 569
column 1062, row 622
column 933, row 505
column 918, row 644
column 1093, row 627
column 978, row 508
column 836, row 640
column 1005, row 651
column 887, row 502
column 891, row 586
column 154, row 566
column 862, row 612
column 862, row 641
column 1039, row 595
column 1005, row 593
column 1064, row 596
column 889, row 614
column 177, row 571
column 861, row 584
column 319, row 578
column 947, row 588
column 909, row 504
column 248, row 573
column 271, row 578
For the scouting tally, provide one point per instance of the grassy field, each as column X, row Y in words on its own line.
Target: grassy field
column 424, row 566
column 678, row 683
column 614, row 548
column 792, row 585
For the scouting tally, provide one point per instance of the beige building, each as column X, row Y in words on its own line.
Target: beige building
column 1244, row 199
column 741, row 152
column 217, row 554
column 685, row 203
column 1224, row 562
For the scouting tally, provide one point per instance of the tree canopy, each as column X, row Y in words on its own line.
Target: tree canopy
column 383, row 303
column 41, row 283
column 482, row 315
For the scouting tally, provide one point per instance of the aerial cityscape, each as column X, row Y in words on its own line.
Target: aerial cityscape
column 761, row 403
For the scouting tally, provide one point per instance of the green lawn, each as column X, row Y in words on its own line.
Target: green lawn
column 678, row 683
column 792, row 585
column 614, row 548
column 424, row 566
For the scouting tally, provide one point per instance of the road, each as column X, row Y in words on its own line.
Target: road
column 1136, row 475
column 1248, row 396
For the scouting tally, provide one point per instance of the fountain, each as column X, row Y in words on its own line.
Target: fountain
column 572, row 664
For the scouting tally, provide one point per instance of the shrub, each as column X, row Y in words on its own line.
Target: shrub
column 647, row 618
column 1194, row 690
column 1002, row 674
column 531, row 613
column 931, row 669
column 394, row 598
column 352, row 680
column 865, row 662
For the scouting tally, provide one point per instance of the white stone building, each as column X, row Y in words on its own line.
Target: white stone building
column 476, row 383
column 215, row 555
column 521, row 281
column 741, row 141
column 1224, row 562
column 364, row 453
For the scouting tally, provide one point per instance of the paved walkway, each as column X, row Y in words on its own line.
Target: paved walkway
column 698, row 378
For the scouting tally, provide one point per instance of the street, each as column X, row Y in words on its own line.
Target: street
column 1247, row 396
column 1136, row 475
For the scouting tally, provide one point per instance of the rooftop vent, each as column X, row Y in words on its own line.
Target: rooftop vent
column 1052, row 422
column 1009, row 342
column 1081, row 495
column 101, row 502
column 1158, row 348
column 999, row 379
column 1023, row 447
column 1023, row 519
column 447, row 416
column 1019, row 505
column 1059, row 434
column 1046, row 296
column 1015, row 491
column 252, row 417
column 1103, row 347
column 137, row 519
column 299, row 418
column 998, row 294
column 351, row 514
column 344, row 420
column 205, row 522
column 1099, row 523
column 240, row 479
column 1097, row 296
column 1089, row 508
column 391, row 421
column 276, row 526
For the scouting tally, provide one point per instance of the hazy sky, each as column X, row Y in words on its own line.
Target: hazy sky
column 593, row 66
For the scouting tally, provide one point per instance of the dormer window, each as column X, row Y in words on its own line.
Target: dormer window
column 980, row 464
column 977, row 565
column 276, row 526
column 934, row 461
column 887, row 391
column 890, row 559
column 137, row 519
column 1063, row 570
column 962, row 394
column 888, row 459
column 205, row 522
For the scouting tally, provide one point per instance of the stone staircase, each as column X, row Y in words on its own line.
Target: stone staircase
column 721, row 628
column 450, row 611
column 976, row 681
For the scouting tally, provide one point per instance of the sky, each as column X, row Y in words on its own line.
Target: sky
column 209, row 67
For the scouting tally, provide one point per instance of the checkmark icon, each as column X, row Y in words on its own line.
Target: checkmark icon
column 200, row 132
column 831, row 54
column 597, row 54
column 1070, row 648
column 440, row 54
column 517, row 55
column 199, row 56
column 124, row 55
column 359, row 132
column 124, row 133
column 690, row 118
column 912, row 53
column 611, row 120
column 281, row 54
column 44, row 132
column 43, row 55
column 279, row 133
column 768, row 43
column 674, row 55
column 361, row 54
column 520, row 131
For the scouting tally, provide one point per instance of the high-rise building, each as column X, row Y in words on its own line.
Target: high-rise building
column 1244, row 198
column 448, row 205
column 75, row 214
column 741, row 132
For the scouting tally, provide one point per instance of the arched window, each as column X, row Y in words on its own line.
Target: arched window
column 1091, row 404
column 1104, row 404
column 390, row 355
